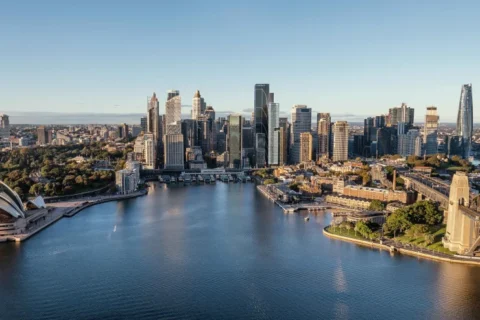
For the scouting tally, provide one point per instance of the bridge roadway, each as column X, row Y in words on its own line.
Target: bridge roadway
column 431, row 188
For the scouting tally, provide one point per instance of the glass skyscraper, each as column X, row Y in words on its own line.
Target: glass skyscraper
column 465, row 118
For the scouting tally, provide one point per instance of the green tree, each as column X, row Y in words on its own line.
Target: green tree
column 36, row 189
column 79, row 180
column 429, row 238
column 269, row 181
column 362, row 228
column 376, row 205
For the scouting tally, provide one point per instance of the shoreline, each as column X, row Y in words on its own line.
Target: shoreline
column 370, row 244
column 69, row 209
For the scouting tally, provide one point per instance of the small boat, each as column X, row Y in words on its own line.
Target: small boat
column 230, row 178
column 194, row 179
column 213, row 179
column 248, row 178
column 207, row 178
column 187, row 178
column 166, row 179
column 160, row 179
column 307, row 219
column 180, row 179
column 173, row 179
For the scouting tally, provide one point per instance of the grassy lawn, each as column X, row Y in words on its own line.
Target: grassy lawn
column 437, row 231
column 346, row 233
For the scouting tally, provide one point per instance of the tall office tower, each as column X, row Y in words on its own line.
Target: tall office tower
column 284, row 141
column 465, row 118
column 369, row 130
column 340, row 141
column 301, row 122
column 42, row 135
column 4, row 126
column 260, row 109
column 454, row 146
column 123, row 131
column 149, row 151
column 306, row 147
column 207, row 134
column 234, row 141
column 143, row 124
column 210, row 113
column 358, row 144
column 323, row 128
column 190, row 133
column 152, row 117
column 380, row 121
column 273, row 131
column 401, row 114
column 386, row 141
column 198, row 106
column 401, row 128
column 173, row 139
column 408, row 144
column 430, row 131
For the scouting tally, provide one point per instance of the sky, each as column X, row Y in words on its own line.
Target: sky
column 349, row 58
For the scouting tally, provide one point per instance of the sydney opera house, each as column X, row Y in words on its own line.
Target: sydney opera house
column 15, row 217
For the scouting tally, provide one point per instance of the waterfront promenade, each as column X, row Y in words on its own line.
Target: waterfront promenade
column 393, row 246
column 58, row 210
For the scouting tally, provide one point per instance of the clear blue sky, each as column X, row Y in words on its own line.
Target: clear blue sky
column 344, row 57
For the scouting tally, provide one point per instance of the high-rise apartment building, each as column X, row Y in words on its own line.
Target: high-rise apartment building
column 234, row 141
column 340, row 141
column 152, row 117
column 4, row 126
column 42, row 135
column 401, row 114
column 273, row 133
column 323, row 128
column 301, row 122
column 260, row 109
column 465, row 118
column 430, row 131
column 149, row 150
column 306, row 147
column 284, row 141
column 173, row 138
column 410, row 143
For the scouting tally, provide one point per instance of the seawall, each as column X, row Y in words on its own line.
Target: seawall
column 454, row 259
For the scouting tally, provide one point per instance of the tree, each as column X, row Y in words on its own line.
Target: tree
column 376, row 205
column 429, row 238
column 294, row 187
column 269, row 181
column 79, row 180
column 398, row 222
column 362, row 228
column 36, row 189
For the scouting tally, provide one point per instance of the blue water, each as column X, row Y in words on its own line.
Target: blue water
column 218, row 252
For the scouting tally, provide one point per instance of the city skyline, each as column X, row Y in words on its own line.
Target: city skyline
column 81, row 66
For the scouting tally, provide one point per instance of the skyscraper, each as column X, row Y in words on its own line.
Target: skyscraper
column 260, row 109
column 323, row 128
column 306, row 146
column 301, row 122
column 42, row 135
column 401, row 114
column 4, row 126
column 465, row 118
column 153, row 109
column 284, row 141
column 430, row 131
column 273, row 133
column 408, row 144
column 340, row 141
column 234, row 141
column 149, row 150
column 173, row 139
column 143, row 124
column 198, row 106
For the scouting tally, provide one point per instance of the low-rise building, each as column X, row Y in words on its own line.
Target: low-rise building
column 384, row 195
column 126, row 181
column 351, row 202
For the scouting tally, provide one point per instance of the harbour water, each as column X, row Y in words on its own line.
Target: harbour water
column 219, row 251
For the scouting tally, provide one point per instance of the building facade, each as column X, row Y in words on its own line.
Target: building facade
column 306, row 147
column 301, row 122
column 234, row 141
column 260, row 110
column 430, row 131
column 465, row 119
column 273, row 133
column 323, row 128
column 173, row 138
column 340, row 141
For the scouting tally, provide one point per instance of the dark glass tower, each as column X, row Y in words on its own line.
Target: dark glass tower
column 262, row 97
